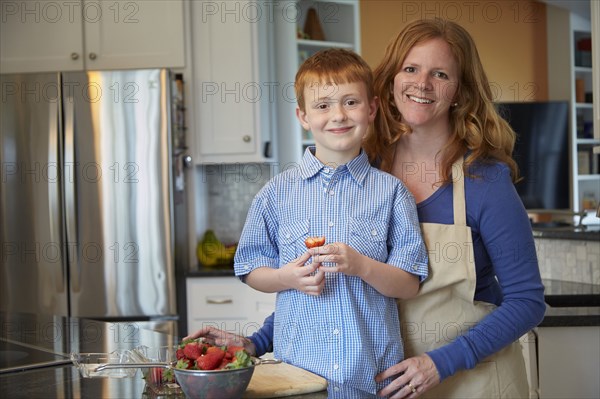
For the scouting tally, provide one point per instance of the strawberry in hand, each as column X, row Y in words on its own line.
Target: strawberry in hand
column 312, row 242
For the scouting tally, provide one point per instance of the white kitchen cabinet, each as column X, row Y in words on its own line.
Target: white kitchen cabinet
column 45, row 36
column 340, row 23
column 569, row 362
column 226, row 303
column 570, row 78
column 233, row 82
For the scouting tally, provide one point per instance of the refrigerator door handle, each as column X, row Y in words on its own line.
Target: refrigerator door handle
column 69, row 169
column 53, row 201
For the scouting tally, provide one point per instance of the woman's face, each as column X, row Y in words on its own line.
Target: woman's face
column 426, row 85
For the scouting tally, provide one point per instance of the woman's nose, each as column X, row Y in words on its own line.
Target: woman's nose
column 424, row 82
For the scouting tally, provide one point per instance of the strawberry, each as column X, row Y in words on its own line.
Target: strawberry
column 156, row 375
column 312, row 242
column 192, row 350
column 179, row 354
column 233, row 349
column 211, row 360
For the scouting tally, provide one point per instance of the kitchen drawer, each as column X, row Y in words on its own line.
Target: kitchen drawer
column 216, row 297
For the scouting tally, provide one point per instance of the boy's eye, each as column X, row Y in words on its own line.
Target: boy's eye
column 351, row 102
column 322, row 106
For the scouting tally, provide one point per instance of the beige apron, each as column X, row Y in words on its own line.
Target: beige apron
column 445, row 309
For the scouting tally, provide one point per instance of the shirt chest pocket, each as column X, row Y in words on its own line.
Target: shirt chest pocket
column 369, row 237
column 291, row 240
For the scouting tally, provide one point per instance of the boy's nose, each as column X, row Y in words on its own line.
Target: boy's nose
column 339, row 113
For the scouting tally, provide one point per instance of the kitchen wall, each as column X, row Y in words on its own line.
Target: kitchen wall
column 227, row 191
column 569, row 260
column 510, row 37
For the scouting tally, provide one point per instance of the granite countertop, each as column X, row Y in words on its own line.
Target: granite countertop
column 571, row 304
column 63, row 335
column 583, row 233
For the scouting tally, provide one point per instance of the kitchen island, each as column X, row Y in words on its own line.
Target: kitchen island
column 60, row 336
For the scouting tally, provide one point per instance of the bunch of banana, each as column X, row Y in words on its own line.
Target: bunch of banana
column 212, row 252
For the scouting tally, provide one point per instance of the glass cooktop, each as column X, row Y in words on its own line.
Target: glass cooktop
column 16, row 356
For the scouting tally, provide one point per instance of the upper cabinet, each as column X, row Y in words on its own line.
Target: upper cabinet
column 302, row 28
column 233, row 85
column 40, row 36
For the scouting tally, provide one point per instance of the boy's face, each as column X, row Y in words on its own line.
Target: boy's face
column 338, row 117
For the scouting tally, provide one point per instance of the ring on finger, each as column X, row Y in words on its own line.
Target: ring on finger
column 412, row 388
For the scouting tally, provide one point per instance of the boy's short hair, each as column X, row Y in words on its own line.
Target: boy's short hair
column 337, row 66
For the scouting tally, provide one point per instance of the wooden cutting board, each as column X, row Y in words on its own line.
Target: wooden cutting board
column 282, row 379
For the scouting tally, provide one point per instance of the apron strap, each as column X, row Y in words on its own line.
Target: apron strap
column 458, row 193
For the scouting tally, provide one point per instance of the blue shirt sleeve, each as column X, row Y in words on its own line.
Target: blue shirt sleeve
column 263, row 338
column 504, row 232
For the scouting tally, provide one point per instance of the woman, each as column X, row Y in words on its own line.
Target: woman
column 438, row 131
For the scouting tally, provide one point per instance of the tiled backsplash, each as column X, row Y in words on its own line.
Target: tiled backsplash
column 226, row 192
column 569, row 260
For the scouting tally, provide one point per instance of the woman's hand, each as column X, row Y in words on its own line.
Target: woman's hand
column 217, row 337
column 415, row 375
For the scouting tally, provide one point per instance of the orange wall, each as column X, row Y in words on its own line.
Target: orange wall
column 510, row 36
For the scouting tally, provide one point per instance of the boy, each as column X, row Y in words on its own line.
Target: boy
column 335, row 314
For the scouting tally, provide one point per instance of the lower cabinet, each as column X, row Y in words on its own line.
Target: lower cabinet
column 569, row 362
column 226, row 303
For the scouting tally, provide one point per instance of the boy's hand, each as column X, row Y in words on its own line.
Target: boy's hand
column 344, row 258
column 307, row 278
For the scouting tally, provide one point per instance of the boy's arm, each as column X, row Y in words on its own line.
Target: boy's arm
column 294, row 275
column 389, row 280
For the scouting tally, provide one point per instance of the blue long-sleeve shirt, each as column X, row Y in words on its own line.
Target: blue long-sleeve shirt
column 505, row 261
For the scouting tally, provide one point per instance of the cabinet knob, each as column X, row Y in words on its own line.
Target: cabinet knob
column 246, row 138
column 92, row 56
column 74, row 56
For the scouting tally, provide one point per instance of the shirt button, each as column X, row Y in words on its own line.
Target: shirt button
column 287, row 235
column 331, row 192
column 336, row 331
column 336, row 366
column 373, row 232
column 415, row 267
column 336, row 388
column 330, row 224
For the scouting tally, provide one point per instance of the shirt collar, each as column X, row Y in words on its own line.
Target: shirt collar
column 310, row 165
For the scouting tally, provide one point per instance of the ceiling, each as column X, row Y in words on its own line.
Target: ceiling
column 579, row 7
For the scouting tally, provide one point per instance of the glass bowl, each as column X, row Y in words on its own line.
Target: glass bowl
column 86, row 363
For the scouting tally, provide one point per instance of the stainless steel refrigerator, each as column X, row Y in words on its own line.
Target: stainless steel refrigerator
column 86, row 201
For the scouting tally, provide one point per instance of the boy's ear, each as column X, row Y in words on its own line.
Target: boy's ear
column 373, row 107
column 301, row 115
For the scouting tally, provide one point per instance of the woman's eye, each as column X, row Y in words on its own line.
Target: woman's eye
column 409, row 69
column 440, row 75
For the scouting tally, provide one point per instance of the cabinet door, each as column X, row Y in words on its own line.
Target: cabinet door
column 39, row 36
column 126, row 34
column 229, row 89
